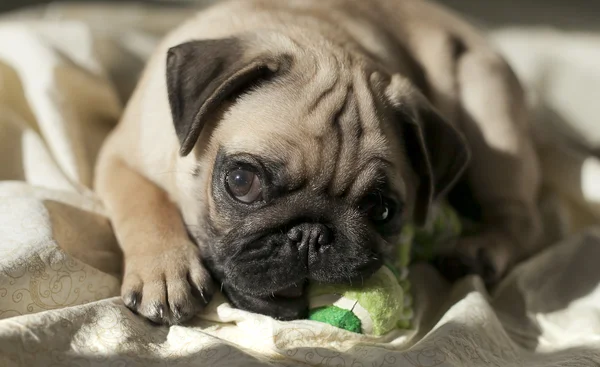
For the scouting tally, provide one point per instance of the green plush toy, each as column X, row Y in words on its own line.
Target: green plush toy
column 383, row 302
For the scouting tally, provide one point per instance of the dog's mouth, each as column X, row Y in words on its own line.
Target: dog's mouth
column 293, row 291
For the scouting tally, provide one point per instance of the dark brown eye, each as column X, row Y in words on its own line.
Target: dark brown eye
column 380, row 212
column 379, row 209
column 244, row 185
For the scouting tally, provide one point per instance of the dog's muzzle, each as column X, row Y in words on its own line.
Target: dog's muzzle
column 268, row 273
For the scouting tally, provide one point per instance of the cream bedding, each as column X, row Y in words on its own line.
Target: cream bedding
column 65, row 73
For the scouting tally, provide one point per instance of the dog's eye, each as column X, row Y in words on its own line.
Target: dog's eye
column 379, row 209
column 244, row 185
column 380, row 213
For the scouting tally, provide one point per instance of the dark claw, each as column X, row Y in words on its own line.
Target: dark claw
column 158, row 313
column 204, row 295
column 176, row 310
column 132, row 300
column 161, row 312
column 179, row 313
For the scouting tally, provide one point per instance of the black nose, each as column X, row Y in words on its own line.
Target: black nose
column 311, row 235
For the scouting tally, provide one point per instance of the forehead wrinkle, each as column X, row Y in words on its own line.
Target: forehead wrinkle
column 348, row 122
column 320, row 118
column 368, row 154
column 375, row 141
column 328, row 81
column 324, row 135
column 294, row 166
column 323, row 80
column 328, row 153
column 372, row 174
column 367, row 106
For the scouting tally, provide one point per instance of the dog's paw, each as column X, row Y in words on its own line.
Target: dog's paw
column 487, row 255
column 168, row 287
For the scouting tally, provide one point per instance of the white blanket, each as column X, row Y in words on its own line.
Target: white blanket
column 65, row 73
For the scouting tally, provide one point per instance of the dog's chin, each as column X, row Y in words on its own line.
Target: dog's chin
column 283, row 302
column 287, row 304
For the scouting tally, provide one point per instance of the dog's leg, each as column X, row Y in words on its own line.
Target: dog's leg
column 164, row 279
column 503, row 173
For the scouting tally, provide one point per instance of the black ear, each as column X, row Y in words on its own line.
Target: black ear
column 202, row 74
column 437, row 151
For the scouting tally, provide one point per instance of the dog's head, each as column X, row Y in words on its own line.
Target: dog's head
column 304, row 164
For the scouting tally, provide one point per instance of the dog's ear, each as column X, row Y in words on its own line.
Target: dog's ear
column 437, row 151
column 203, row 74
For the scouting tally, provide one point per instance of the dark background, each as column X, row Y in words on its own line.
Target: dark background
column 563, row 14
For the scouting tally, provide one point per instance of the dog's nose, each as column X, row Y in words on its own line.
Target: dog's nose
column 311, row 235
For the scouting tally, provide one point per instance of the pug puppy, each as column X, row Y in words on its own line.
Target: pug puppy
column 274, row 142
